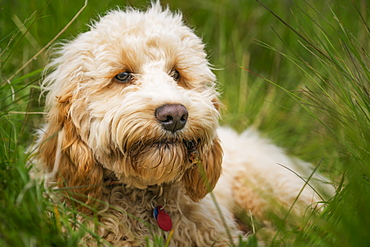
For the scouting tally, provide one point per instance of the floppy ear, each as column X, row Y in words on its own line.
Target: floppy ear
column 68, row 160
column 203, row 176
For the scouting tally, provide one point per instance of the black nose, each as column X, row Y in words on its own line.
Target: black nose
column 173, row 117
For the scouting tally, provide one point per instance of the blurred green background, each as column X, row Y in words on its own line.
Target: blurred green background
column 303, row 83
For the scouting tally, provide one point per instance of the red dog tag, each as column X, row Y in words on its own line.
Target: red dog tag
column 163, row 219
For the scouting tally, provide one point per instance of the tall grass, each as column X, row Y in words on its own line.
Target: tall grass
column 337, row 95
column 296, row 70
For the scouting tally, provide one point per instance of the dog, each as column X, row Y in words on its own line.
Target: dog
column 133, row 143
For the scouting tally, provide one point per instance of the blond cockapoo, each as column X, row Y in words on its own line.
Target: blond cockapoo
column 132, row 137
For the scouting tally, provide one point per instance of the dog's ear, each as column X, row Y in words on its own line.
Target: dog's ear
column 69, row 161
column 203, row 176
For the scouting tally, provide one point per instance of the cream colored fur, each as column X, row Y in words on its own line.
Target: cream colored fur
column 103, row 144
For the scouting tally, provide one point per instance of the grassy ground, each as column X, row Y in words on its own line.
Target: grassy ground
column 302, row 80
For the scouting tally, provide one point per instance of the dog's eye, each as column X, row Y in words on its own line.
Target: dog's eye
column 124, row 77
column 175, row 74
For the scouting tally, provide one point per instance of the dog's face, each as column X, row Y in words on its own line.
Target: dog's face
column 134, row 95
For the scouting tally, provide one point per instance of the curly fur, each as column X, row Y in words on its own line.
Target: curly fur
column 103, row 144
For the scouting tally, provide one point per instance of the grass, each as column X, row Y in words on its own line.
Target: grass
column 296, row 70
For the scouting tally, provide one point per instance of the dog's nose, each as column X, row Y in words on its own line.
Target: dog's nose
column 173, row 117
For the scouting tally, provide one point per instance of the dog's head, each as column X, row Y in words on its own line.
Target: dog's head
column 135, row 96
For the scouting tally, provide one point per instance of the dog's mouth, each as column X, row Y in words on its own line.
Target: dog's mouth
column 192, row 146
